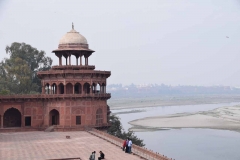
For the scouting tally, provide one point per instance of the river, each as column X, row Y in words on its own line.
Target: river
column 185, row 144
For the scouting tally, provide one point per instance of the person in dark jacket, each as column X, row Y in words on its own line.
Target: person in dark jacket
column 101, row 155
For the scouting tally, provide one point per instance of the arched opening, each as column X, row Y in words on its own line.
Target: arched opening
column 99, row 117
column 94, row 88
column 86, row 88
column 81, row 60
column 77, row 88
column 54, row 117
column 54, row 88
column 69, row 88
column 98, row 88
column 61, row 88
column 47, row 88
column 12, row 118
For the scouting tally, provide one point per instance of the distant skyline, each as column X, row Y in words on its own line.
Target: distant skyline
column 172, row 42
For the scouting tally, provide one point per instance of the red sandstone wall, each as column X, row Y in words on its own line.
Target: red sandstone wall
column 68, row 110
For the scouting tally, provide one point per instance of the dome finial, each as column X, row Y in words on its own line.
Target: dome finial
column 72, row 26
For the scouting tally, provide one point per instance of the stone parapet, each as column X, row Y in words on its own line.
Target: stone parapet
column 54, row 96
column 137, row 150
column 73, row 67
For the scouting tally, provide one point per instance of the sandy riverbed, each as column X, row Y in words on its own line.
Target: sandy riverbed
column 225, row 118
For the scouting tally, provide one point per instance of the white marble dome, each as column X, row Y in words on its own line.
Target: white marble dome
column 73, row 37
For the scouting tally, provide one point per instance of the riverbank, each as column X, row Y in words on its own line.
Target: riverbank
column 125, row 103
column 224, row 118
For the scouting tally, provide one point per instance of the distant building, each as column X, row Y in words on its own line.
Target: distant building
column 73, row 96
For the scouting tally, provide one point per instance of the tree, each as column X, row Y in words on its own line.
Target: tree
column 116, row 126
column 18, row 74
column 117, row 130
column 4, row 92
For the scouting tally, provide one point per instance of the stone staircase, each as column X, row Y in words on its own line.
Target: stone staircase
column 50, row 129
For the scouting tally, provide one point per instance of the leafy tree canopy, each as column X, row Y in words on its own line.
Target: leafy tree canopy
column 117, row 130
column 18, row 74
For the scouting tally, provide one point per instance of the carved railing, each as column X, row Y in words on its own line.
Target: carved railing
column 140, row 151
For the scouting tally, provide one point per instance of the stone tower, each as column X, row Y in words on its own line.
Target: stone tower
column 73, row 96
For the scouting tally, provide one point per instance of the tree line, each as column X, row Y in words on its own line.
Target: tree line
column 18, row 73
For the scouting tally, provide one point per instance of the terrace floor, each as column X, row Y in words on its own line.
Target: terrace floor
column 54, row 145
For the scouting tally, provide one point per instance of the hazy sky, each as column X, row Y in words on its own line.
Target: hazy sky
column 162, row 41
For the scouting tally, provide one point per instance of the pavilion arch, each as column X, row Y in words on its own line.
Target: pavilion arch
column 47, row 88
column 12, row 118
column 99, row 117
column 78, row 88
column 61, row 88
column 54, row 88
column 86, row 88
column 69, row 88
column 98, row 87
column 94, row 87
column 54, row 117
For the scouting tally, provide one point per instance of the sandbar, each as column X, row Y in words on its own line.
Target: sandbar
column 224, row 118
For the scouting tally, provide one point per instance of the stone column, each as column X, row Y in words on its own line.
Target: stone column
column 83, row 89
column 58, row 89
column 60, row 60
column 66, row 61
column 43, row 90
column 79, row 89
column 70, row 59
column 73, row 89
column 65, row 89
column 80, row 60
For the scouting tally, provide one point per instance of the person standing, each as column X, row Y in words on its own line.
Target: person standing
column 124, row 145
column 92, row 156
column 101, row 155
column 130, row 146
column 126, row 150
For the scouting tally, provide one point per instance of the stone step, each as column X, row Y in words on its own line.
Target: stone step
column 50, row 129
